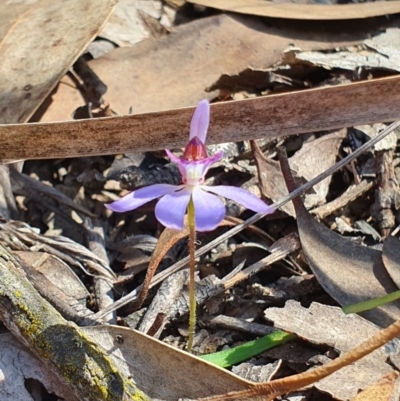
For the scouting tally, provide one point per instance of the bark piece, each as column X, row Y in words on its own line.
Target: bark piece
column 17, row 365
column 79, row 363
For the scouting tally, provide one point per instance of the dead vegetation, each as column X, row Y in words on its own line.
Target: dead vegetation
column 91, row 93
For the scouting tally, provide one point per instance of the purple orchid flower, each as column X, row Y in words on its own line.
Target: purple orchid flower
column 209, row 209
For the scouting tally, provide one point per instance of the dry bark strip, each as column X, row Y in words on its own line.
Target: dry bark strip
column 271, row 116
column 303, row 11
column 61, row 345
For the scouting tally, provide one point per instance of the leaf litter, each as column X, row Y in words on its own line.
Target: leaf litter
column 246, row 277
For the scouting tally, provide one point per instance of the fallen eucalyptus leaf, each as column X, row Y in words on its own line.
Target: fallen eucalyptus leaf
column 161, row 371
column 303, row 11
column 272, row 184
column 39, row 41
column 300, row 112
column 196, row 59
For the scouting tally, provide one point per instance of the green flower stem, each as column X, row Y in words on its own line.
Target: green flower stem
column 192, row 267
column 371, row 303
column 233, row 356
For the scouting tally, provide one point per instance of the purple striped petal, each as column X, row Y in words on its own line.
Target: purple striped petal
column 141, row 196
column 241, row 196
column 209, row 210
column 171, row 209
column 200, row 121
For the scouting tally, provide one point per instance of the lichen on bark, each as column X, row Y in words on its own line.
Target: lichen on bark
column 78, row 361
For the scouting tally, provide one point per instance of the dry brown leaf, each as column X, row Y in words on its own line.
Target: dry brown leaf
column 272, row 184
column 53, row 110
column 313, row 159
column 163, row 372
column 328, row 325
column 19, row 236
column 198, row 53
column 56, row 271
column 391, row 258
column 167, row 240
column 196, row 59
column 303, row 11
column 380, row 391
column 299, row 112
column 38, row 44
column 17, row 365
column 348, row 272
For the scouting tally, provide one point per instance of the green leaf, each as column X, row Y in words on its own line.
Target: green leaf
column 245, row 351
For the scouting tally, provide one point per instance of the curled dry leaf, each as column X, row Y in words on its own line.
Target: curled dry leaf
column 161, row 371
column 19, row 236
column 29, row 32
column 328, row 325
column 303, row 11
column 167, row 239
column 348, row 272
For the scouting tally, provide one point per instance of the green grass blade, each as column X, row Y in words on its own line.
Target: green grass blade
column 371, row 303
column 233, row 356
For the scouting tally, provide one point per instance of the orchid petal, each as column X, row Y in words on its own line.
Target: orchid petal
column 172, row 157
column 141, row 196
column 209, row 210
column 193, row 172
column 200, row 121
column 241, row 196
column 171, row 209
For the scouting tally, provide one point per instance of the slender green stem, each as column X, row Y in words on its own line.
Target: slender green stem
column 192, row 267
column 371, row 303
